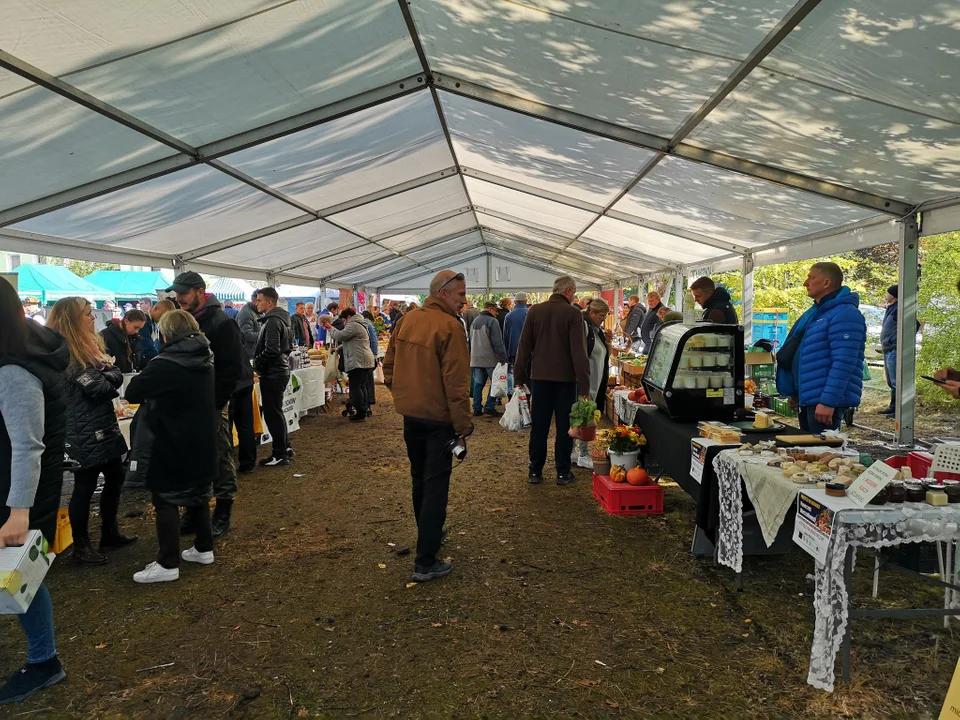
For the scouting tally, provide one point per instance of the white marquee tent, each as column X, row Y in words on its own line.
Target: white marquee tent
column 368, row 143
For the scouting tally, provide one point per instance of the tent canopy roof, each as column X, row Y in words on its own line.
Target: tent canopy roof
column 49, row 283
column 132, row 284
column 370, row 142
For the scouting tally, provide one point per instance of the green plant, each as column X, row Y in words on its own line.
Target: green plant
column 582, row 413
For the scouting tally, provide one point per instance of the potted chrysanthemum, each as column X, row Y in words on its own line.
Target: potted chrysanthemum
column 623, row 447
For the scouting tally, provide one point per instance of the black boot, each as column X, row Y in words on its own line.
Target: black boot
column 221, row 517
column 110, row 537
column 84, row 554
column 892, row 408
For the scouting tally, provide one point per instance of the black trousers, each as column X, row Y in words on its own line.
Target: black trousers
column 271, row 396
column 241, row 415
column 550, row 400
column 361, row 380
column 430, row 466
column 168, row 531
column 85, row 484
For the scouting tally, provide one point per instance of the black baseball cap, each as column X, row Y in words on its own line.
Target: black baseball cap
column 188, row 280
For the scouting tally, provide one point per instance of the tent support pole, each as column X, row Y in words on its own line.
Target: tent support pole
column 489, row 274
column 907, row 331
column 746, row 317
column 271, row 279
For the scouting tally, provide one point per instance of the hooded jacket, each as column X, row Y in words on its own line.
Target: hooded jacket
column 93, row 434
column 486, row 342
column 124, row 348
column 355, row 338
column 553, row 346
column 178, row 439
column 427, row 367
column 828, row 366
column 46, row 358
column 271, row 357
column 647, row 325
column 248, row 319
column 719, row 309
column 888, row 330
column 227, row 346
column 633, row 321
column 512, row 327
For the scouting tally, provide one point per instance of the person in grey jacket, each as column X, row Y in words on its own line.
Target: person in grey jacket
column 271, row 360
column 632, row 322
column 249, row 321
column 358, row 360
column 241, row 402
column 486, row 350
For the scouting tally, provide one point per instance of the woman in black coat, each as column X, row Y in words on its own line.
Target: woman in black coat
column 94, row 440
column 122, row 340
column 178, row 438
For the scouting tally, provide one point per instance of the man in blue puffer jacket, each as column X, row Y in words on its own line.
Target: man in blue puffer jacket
column 821, row 361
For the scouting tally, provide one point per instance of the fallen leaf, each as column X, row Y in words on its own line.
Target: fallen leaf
column 497, row 509
column 302, row 712
column 603, row 664
column 588, row 683
column 391, row 544
column 410, row 585
column 436, row 624
column 748, row 621
column 746, row 635
column 100, row 646
column 382, row 566
column 660, row 670
column 687, row 699
column 299, row 475
column 612, row 704
column 330, row 628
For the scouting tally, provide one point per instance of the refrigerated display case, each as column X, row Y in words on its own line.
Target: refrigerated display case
column 695, row 371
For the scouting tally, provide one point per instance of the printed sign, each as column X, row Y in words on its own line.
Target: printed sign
column 870, row 483
column 814, row 527
column 698, row 456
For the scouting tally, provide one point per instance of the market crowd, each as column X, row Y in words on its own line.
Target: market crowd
column 196, row 362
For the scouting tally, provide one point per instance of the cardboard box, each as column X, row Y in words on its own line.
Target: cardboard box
column 758, row 358
column 22, row 570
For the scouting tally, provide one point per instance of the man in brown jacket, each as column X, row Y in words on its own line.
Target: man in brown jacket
column 427, row 368
column 552, row 360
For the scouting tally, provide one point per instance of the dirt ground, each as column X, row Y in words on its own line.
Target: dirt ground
column 553, row 609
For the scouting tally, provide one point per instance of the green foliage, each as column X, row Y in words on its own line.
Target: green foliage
column 79, row 267
column 937, row 302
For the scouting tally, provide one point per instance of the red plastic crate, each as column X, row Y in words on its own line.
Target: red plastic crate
column 624, row 499
column 919, row 464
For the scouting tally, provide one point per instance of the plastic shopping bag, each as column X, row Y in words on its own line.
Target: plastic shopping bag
column 498, row 386
column 378, row 375
column 516, row 416
column 332, row 372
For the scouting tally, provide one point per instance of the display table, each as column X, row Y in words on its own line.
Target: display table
column 668, row 442
column 846, row 527
column 773, row 497
column 312, row 393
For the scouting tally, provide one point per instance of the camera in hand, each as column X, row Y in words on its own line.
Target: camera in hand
column 458, row 448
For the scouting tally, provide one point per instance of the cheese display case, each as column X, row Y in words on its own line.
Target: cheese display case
column 695, row 371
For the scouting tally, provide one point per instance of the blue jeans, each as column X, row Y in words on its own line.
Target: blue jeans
column 480, row 377
column 510, row 379
column 890, row 366
column 810, row 424
column 37, row 623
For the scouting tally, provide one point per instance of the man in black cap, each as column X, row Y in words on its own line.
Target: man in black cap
column 226, row 343
column 888, row 346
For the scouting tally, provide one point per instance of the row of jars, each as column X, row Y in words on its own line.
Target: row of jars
column 899, row 491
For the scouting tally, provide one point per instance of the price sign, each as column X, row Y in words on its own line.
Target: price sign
column 877, row 476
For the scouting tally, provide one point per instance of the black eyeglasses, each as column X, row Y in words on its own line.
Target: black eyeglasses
column 458, row 276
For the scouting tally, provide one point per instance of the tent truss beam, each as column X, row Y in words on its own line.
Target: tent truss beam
column 427, row 267
column 600, row 260
column 647, row 141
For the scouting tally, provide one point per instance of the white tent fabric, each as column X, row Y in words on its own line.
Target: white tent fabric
column 368, row 143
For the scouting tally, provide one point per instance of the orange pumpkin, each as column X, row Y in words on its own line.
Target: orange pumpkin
column 638, row 476
column 618, row 474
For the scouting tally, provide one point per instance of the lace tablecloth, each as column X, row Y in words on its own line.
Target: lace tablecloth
column 873, row 528
column 772, row 496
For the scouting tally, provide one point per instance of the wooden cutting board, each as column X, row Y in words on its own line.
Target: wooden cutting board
column 808, row 440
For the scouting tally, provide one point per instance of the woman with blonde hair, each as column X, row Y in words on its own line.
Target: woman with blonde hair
column 93, row 434
column 178, row 441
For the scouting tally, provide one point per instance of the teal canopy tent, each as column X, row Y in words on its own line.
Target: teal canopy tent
column 229, row 289
column 49, row 283
column 131, row 285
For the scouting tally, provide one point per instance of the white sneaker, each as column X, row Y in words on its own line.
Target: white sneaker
column 155, row 572
column 195, row 556
column 585, row 461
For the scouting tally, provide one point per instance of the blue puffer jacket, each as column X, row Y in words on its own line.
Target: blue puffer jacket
column 888, row 331
column 828, row 367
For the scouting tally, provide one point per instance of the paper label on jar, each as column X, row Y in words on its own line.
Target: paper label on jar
column 728, row 396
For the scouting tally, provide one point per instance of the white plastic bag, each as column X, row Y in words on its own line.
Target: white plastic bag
column 378, row 375
column 498, row 386
column 516, row 416
column 332, row 372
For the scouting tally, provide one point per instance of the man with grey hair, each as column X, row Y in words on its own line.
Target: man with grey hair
column 427, row 368
column 552, row 360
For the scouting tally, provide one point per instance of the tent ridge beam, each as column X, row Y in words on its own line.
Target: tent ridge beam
column 536, row 264
column 409, row 276
column 647, row 141
column 319, row 257
column 425, row 268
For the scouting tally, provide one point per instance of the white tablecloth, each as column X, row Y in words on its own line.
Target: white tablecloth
column 872, row 527
column 311, row 387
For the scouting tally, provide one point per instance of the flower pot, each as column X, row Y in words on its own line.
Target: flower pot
column 626, row 460
column 588, row 432
column 601, row 467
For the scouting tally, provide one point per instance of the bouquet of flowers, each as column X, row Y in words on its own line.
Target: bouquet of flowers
column 624, row 438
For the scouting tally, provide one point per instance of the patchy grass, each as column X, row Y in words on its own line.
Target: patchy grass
column 554, row 608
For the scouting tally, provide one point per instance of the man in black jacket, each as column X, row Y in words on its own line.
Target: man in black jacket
column 272, row 363
column 302, row 334
column 650, row 320
column 715, row 302
column 227, row 346
column 632, row 322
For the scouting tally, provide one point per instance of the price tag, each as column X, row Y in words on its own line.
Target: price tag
column 877, row 476
column 715, row 393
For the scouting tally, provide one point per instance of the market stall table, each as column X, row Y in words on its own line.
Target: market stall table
column 845, row 528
